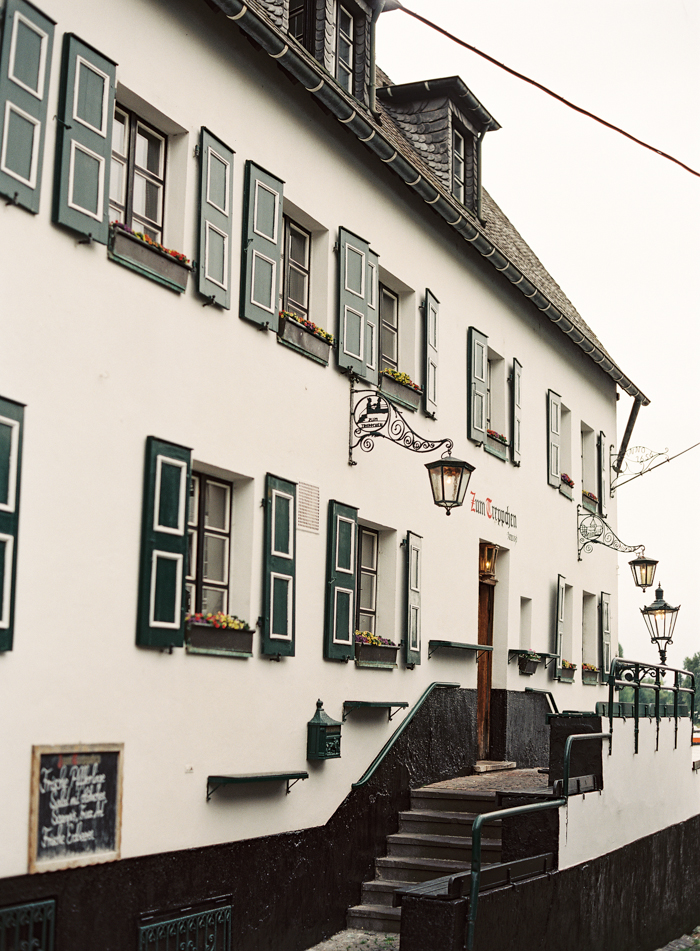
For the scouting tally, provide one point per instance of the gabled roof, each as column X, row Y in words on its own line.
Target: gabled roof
column 452, row 87
column 495, row 239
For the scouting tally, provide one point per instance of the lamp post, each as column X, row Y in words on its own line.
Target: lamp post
column 449, row 478
column 643, row 570
column 660, row 619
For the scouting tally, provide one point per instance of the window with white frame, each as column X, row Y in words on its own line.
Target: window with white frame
column 458, row 165
column 367, row 576
column 301, row 22
column 344, row 46
column 296, row 272
column 389, row 328
column 137, row 180
column 209, row 526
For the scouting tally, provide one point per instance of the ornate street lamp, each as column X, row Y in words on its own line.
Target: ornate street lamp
column 449, row 478
column 487, row 561
column 643, row 570
column 660, row 619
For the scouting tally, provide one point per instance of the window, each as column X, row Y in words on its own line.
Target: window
column 301, row 17
column 296, row 271
column 209, row 537
column 367, row 563
column 389, row 328
column 553, row 438
column 279, row 571
column 588, row 459
column 458, row 166
column 137, row 182
column 344, row 47
column 11, row 430
column 357, row 318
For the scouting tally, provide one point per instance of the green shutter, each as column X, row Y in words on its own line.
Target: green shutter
column 161, row 609
column 414, row 570
column 262, row 247
column 215, row 196
column 602, row 474
column 84, row 140
column 430, row 349
column 25, row 70
column 553, row 438
column 339, row 621
column 358, row 307
column 11, row 432
column 477, row 395
column 516, row 412
column 279, row 575
column 559, row 618
column 605, row 637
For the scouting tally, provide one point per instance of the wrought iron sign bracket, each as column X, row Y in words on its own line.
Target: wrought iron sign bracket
column 372, row 414
column 594, row 530
column 636, row 462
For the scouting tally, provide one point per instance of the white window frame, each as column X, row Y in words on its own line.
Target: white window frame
column 290, row 589
column 289, row 555
column 350, row 353
column 210, row 227
column 351, row 290
column 273, row 283
column 351, row 615
column 9, row 506
column 167, row 556
column 75, row 146
column 415, row 551
column 79, row 60
column 210, row 152
column 414, row 628
column 31, row 181
column 275, row 230
column 182, row 506
column 37, row 93
column 7, row 581
column 351, row 522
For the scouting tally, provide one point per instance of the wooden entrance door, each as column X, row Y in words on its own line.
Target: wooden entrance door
column 483, row 682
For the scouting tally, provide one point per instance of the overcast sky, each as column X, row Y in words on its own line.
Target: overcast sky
column 617, row 226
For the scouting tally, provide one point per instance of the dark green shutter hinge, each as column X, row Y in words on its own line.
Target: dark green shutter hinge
column 336, row 247
column 196, row 151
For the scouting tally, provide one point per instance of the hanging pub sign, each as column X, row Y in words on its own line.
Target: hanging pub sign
column 76, row 806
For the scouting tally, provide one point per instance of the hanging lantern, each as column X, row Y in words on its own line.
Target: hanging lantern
column 487, row 560
column 643, row 570
column 449, row 478
column 660, row 619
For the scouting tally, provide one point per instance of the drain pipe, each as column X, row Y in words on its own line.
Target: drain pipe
column 634, row 412
column 376, row 10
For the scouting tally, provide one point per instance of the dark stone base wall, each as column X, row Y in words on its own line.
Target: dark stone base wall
column 519, row 730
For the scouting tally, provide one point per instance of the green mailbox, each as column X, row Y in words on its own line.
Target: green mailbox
column 323, row 737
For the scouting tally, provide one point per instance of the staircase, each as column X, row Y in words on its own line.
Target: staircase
column 434, row 839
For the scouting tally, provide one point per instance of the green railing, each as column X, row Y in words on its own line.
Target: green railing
column 372, row 768
column 631, row 673
column 209, row 929
column 29, row 926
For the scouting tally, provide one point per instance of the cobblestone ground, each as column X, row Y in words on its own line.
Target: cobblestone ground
column 377, row 941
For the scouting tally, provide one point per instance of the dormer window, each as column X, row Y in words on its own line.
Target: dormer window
column 301, row 22
column 458, row 165
column 345, row 47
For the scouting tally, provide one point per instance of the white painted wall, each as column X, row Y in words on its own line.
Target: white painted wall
column 644, row 792
column 103, row 358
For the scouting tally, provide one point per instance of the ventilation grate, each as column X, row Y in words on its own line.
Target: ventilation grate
column 307, row 507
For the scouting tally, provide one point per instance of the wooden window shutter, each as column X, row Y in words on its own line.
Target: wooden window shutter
column 11, row 432
column 358, row 307
column 559, row 618
column 414, row 568
column 84, row 140
column 279, row 575
column 25, row 70
column 215, row 197
column 516, row 412
column 164, row 545
column 553, row 438
column 477, row 395
column 262, row 247
column 339, row 619
column 605, row 635
column 602, row 473
column 430, row 349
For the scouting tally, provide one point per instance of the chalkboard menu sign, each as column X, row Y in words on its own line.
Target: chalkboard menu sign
column 75, row 812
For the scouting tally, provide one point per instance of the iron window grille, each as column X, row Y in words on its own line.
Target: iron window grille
column 297, row 269
column 137, row 179
column 209, row 527
column 389, row 328
column 30, row 925
column 367, row 576
column 197, row 929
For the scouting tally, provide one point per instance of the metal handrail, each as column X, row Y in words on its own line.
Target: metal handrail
column 372, row 768
column 570, row 740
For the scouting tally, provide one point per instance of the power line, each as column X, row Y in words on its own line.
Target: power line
column 395, row 5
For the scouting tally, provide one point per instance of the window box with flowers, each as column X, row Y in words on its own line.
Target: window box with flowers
column 590, row 501
column 496, row 443
column 305, row 337
column 566, row 486
column 142, row 254
column 566, row 672
column 528, row 663
column 220, row 634
column 590, row 674
column 374, row 651
column 400, row 388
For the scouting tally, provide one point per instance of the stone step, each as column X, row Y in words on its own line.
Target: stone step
column 492, row 766
column 442, row 822
column 380, row 891
column 374, row 918
column 404, row 868
column 458, row 848
column 452, row 800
